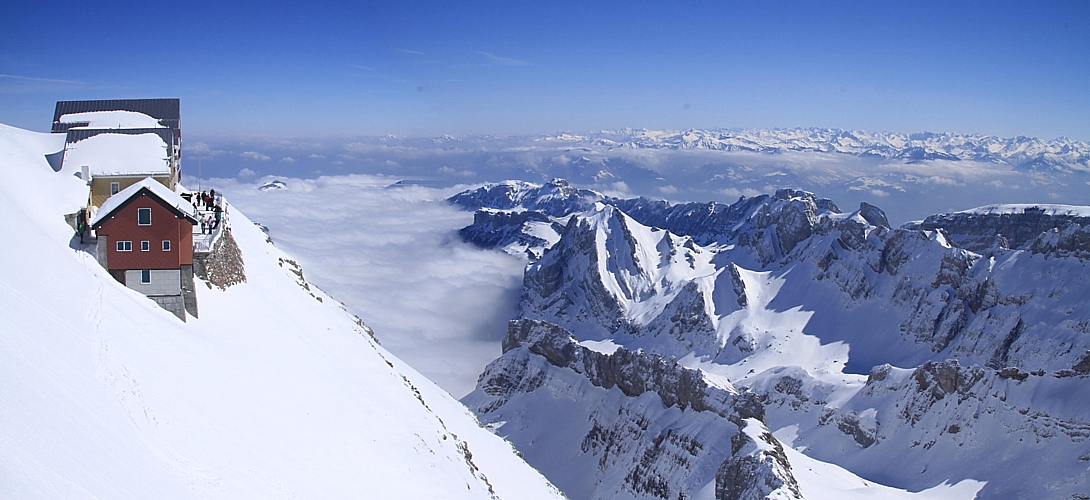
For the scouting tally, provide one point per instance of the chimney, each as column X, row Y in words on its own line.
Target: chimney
column 85, row 174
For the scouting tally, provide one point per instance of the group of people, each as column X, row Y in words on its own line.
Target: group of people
column 208, row 200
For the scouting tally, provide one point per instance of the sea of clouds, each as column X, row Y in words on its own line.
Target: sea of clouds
column 393, row 256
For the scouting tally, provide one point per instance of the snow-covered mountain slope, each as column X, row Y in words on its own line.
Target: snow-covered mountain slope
column 274, row 392
column 807, row 307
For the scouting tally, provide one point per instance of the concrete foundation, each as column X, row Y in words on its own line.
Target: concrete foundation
column 189, row 294
column 172, row 303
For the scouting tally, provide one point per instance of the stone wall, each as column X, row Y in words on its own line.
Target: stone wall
column 222, row 266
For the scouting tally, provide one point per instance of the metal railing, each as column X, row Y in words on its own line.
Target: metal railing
column 205, row 242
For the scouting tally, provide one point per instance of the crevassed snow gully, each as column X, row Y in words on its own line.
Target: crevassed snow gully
column 780, row 347
column 271, row 391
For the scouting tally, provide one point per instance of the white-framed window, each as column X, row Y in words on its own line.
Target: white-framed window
column 145, row 246
column 114, row 188
column 145, row 276
column 166, row 245
column 124, row 246
column 143, row 216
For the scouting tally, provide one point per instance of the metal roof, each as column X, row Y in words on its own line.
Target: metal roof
column 167, row 111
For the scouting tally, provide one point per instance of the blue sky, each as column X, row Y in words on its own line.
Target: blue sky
column 415, row 68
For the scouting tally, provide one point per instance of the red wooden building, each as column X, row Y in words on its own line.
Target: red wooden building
column 145, row 240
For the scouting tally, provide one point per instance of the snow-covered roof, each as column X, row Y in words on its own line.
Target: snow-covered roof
column 120, row 154
column 170, row 198
column 164, row 113
column 1053, row 210
column 109, row 119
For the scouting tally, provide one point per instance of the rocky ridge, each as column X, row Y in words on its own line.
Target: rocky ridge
column 985, row 323
column 636, row 439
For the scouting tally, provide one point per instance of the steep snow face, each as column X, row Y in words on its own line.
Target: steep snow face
column 610, row 276
column 274, row 392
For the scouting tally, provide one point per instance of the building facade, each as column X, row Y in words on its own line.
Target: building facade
column 145, row 241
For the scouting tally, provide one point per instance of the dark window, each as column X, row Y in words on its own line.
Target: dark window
column 145, row 246
column 145, row 276
column 124, row 246
column 166, row 245
column 143, row 216
column 114, row 188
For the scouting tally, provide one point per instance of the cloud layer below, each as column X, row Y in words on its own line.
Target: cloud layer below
column 394, row 258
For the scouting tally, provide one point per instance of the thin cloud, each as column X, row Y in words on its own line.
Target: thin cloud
column 254, row 155
column 365, row 68
column 36, row 79
column 413, row 52
column 505, row 61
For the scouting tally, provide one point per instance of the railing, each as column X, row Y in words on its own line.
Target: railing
column 205, row 242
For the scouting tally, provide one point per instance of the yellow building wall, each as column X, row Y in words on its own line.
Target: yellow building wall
column 100, row 186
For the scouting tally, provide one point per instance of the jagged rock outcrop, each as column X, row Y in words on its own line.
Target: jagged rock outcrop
column 757, row 469
column 651, row 429
column 633, row 372
column 1072, row 241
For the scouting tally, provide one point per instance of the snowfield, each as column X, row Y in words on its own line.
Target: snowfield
column 274, row 392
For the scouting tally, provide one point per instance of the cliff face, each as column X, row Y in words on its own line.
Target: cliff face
column 1018, row 225
column 635, row 424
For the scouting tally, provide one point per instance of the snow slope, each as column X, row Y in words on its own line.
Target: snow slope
column 274, row 392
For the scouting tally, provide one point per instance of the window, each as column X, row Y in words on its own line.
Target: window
column 166, row 245
column 114, row 188
column 145, row 246
column 124, row 246
column 145, row 276
column 143, row 216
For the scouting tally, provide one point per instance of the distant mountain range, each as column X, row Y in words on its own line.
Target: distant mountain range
column 1021, row 152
